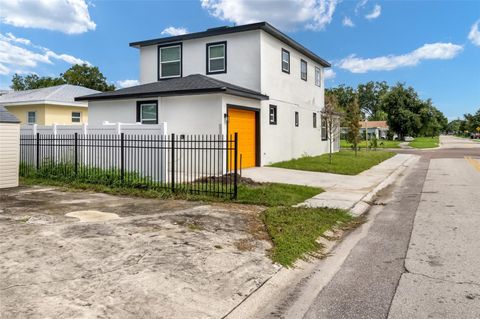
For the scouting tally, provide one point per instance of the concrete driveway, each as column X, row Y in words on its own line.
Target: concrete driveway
column 86, row 255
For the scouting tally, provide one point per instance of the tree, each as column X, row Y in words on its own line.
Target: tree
column 87, row 76
column 369, row 98
column 344, row 96
column 352, row 118
column 83, row 75
column 331, row 115
column 33, row 81
column 402, row 106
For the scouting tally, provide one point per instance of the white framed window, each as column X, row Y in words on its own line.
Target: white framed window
column 217, row 57
column 285, row 61
column 76, row 117
column 31, row 117
column 303, row 69
column 147, row 112
column 318, row 76
column 297, row 119
column 170, row 61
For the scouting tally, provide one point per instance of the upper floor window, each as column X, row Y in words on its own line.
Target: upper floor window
column 76, row 117
column 170, row 61
column 147, row 112
column 285, row 61
column 31, row 117
column 272, row 113
column 217, row 57
column 296, row 119
column 303, row 69
column 318, row 76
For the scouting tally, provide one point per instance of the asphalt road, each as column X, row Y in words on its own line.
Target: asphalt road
column 421, row 256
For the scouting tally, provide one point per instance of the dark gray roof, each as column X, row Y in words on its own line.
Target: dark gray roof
column 7, row 117
column 265, row 26
column 189, row 85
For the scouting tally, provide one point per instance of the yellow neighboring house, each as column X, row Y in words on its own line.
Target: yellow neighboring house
column 47, row 106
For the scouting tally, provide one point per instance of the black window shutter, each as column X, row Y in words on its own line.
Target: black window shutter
column 138, row 112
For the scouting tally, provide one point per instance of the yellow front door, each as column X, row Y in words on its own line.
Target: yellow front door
column 243, row 122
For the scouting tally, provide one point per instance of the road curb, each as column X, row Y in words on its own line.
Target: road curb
column 286, row 277
column 365, row 203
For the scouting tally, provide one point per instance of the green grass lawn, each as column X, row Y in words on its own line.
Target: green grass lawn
column 272, row 194
column 343, row 162
column 294, row 230
column 424, row 142
column 380, row 144
column 265, row 194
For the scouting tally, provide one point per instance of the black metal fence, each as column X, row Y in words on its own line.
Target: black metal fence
column 195, row 164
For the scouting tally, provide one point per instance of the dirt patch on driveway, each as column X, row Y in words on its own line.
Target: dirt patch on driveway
column 158, row 259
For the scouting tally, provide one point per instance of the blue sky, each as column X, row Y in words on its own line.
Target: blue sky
column 433, row 46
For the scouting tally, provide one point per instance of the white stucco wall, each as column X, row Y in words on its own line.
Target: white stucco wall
column 289, row 93
column 243, row 59
column 189, row 114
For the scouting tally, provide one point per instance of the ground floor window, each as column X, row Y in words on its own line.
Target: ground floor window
column 76, row 117
column 147, row 112
column 314, row 120
column 296, row 119
column 324, row 129
column 31, row 117
column 273, row 114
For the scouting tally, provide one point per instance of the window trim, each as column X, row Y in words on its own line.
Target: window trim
column 207, row 56
column 297, row 119
column 28, row 117
column 324, row 136
column 315, row 120
column 283, row 70
column 79, row 117
column 302, row 61
column 169, row 45
column 274, row 108
column 319, row 84
column 139, row 111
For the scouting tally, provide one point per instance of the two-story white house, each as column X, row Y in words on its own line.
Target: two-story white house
column 251, row 79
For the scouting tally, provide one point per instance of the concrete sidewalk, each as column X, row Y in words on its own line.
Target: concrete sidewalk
column 341, row 191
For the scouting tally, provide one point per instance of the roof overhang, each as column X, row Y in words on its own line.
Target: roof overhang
column 172, row 93
column 21, row 103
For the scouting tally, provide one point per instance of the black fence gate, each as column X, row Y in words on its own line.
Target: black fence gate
column 195, row 164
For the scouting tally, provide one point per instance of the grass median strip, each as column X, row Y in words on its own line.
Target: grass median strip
column 424, row 142
column 343, row 162
column 294, row 230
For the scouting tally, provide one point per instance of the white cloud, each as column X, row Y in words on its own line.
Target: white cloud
column 347, row 22
column 433, row 51
column 174, row 31
column 4, row 70
column 329, row 74
column 377, row 10
column 22, row 55
column 474, row 34
column 68, row 16
column 284, row 14
column 126, row 83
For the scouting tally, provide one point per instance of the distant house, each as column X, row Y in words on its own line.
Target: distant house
column 251, row 79
column 378, row 129
column 49, row 105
